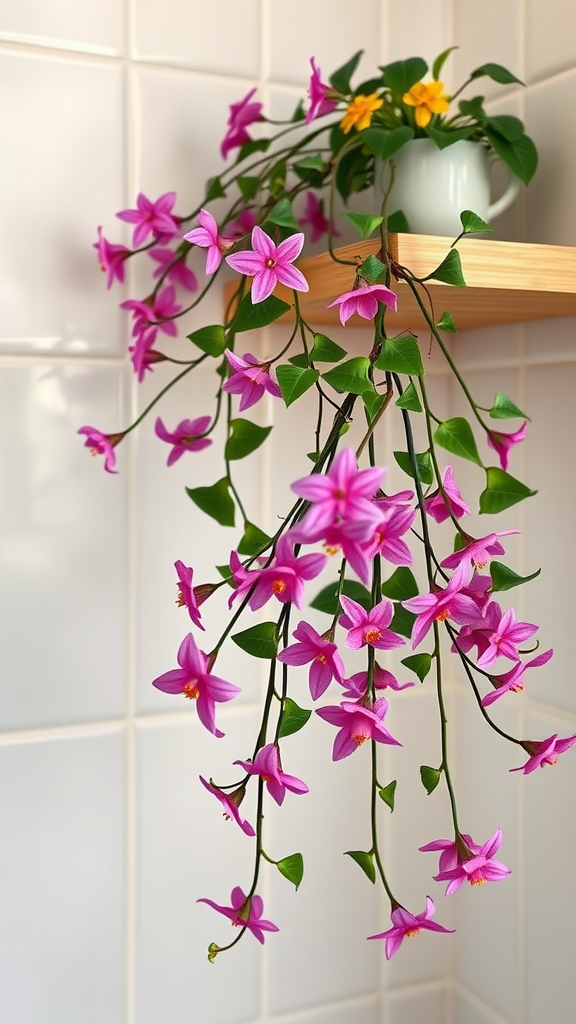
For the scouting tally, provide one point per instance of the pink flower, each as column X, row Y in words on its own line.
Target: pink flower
column 369, row 627
column 196, row 682
column 343, row 493
column 186, row 596
column 231, row 803
column 463, row 860
column 439, row 605
column 314, row 216
column 357, row 722
column 513, row 680
column 284, row 578
column 349, row 537
column 241, row 115
column 357, row 685
column 142, row 352
column 157, row 311
column 270, row 264
column 406, row 924
column 245, row 221
column 393, row 524
column 111, row 258
column 544, row 752
column 502, row 443
column 364, row 300
column 436, row 506
column 207, row 237
column 152, row 218
column 323, row 654
column 478, row 551
column 317, row 91
column 185, row 437
column 245, row 912
column 102, row 444
column 503, row 641
column 250, row 379
column 266, row 764
column 175, row 269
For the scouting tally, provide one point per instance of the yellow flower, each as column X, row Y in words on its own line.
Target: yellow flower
column 427, row 99
column 359, row 112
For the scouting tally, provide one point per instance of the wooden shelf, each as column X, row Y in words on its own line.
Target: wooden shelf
column 507, row 282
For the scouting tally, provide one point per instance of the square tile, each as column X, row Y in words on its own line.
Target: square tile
column 63, row 549
column 494, row 37
column 550, row 34
column 550, row 204
column 62, row 869
column 430, row 1006
column 190, row 33
column 96, row 26
column 421, row 29
column 73, row 113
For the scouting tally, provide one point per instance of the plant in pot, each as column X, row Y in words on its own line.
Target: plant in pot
column 375, row 628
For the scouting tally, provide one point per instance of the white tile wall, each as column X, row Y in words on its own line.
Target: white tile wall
column 102, row 99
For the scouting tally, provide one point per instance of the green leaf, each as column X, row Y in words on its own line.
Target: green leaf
column 369, row 86
column 401, row 355
column 364, row 223
column 253, row 540
column 250, row 317
column 502, row 491
column 521, row 156
column 504, row 578
column 365, row 861
column 473, row 108
column 448, row 137
column 456, row 436
column 398, row 223
column 300, row 360
column 409, row 400
column 299, row 112
column 213, row 950
column 423, row 465
column 373, row 402
column 353, row 171
column 510, row 127
column 209, row 339
column 384, row 143
column 449, row 271
column 254, row 146
column 440, row 61
column 387, row 794
column 504, row 409
column 259, row 641
column 446, row 323
column 472, row 222
column 420, row 664
column 402, row 621
column 430, row 778
column 245, row 438
column 292, row 868
column 326, row 601
column 497, row 73
column 340, row 79
column 226, row 574
column 248, row 185
column 294, row 381
column 400, row 585
column 283, row 215
column 350, row 376
column 401, row 75
column 214, row 189
column 310, row 163
column 373, row 270
column 215, row 501
column 325, row 350
column 293, row 719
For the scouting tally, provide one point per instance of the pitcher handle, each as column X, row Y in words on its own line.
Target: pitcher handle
column 498, row 207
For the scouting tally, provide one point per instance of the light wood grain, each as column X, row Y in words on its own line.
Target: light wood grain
column 507, row 282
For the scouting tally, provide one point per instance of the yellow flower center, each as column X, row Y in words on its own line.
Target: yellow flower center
column 476, row 881
column 359, row 740
column 180, row 599
column 443, row 615
column 412, row 932
column 321, row 658
column 191, row 691
column 427, row 98
column 331, row 549
column 359, row 112
column 270, row 263
column 371, row 635
column 278, row 587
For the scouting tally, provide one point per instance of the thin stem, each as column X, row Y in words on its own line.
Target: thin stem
column 443, row 730
column 374, row 825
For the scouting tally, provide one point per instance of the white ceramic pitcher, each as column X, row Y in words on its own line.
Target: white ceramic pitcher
column 432, row 186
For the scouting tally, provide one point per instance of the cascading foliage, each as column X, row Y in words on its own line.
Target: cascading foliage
column 341, row 508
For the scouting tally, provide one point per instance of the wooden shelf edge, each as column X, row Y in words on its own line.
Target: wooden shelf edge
column 507, row 282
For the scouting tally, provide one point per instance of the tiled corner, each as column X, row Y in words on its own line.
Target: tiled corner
column 57, row 189
column 63, row 548
column 550, row 34
column 62, row 927
column 186, row 850
column 184, row 34
column 332, row 36
column 366, row 1012
column 95, row 27
column 467, row 1009
column 425, row 1006
column 487, row 35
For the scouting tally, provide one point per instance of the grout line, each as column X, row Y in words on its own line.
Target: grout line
column 492, row 1016
column 61, row 357
column 311, row 1013
column 44, row 734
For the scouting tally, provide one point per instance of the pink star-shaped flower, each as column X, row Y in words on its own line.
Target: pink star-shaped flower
column 512, row 680
column 267, row 765
column 357, row 722
column 369, row 627
column 231, row 803
column 245, row 912
column 436, row 506
column 344, row 493
column 186, row 596
column 152, row 218
column 102, row 444
column 406, row 924
column 270, row 264
column 326, row 663
column 544, row 752
column 207, row 237
column 251, row 378
column 111, row 258
column 242, row 113
column 364, row 300
column 185, row 437
column 440, row 605
column 314, row 216
column 196, row 682
column 175, row 269
column 503, row 443
column 465, row 861
column 317, row 91
column 479, row 552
